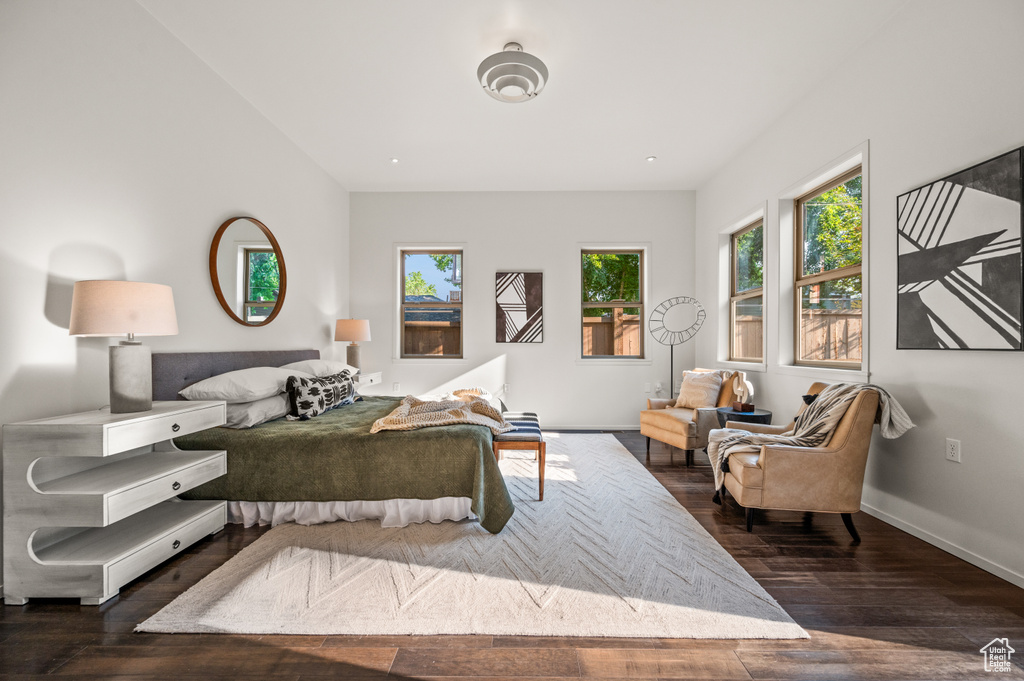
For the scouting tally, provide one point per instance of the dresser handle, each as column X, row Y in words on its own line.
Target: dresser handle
column 176, row 544
column 175, row 427
column 176, row 486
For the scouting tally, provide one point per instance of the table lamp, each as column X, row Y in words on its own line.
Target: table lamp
column 352, row 330
column 125, row 308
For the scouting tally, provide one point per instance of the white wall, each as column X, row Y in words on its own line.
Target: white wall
column 121, row 155
column 937, row 90
column 527, row 231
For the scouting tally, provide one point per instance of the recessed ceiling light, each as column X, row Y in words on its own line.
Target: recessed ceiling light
column 394, row 160
column 652, row 159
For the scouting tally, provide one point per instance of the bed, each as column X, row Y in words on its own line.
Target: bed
column 331, row 467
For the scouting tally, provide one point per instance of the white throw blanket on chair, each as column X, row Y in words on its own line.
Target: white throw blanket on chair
column 812, row 428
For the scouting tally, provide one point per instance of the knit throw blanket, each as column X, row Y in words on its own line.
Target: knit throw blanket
column 460, row 406
column 812, row 428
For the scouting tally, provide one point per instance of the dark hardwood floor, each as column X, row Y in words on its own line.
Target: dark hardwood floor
column 891, row 607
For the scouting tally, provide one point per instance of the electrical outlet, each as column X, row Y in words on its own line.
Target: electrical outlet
column 952, row 450
column 396, row 387
column 647, row 387
column 505, row 388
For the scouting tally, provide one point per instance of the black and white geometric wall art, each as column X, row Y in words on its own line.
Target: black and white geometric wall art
column 959, row 269
column 519, row 299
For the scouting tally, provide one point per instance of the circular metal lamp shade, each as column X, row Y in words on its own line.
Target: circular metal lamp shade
column 512, row 75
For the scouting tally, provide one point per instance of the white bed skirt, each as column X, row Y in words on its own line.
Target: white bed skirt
column 391, row 512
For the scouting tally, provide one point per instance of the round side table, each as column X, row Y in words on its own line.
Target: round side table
column 756, row 416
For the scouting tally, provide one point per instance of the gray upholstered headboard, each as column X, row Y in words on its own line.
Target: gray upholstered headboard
column 173, row 371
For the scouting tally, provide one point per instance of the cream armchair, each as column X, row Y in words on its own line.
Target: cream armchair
column 686, row 429
column 826, row 479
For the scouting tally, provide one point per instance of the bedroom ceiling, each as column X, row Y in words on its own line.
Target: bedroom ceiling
column 357, row 83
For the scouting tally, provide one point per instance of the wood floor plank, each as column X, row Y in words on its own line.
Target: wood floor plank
column 895, row 616
column 662, row 664
column 894, row 665
column 270, row 661
column 570, row 642
column 490, row 662
column 408, row 641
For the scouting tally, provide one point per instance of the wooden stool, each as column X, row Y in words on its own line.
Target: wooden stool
column 527, row 435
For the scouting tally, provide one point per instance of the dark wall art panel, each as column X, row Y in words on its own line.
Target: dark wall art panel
column 519, row 299
column 959, row 281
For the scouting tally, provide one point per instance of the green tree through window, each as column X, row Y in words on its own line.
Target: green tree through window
column 264, row 276
column 416, row 285
column 832, row 232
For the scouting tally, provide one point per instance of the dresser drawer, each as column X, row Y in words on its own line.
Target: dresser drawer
column 167, row 544
column 121, row 438
column 129, row 501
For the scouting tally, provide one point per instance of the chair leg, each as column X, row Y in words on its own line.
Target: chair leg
column 750, row 519
column 497, row 456
column 671, row 452
column 648, row 451
column 541, row 455
column 689, row 458
column 848, row 521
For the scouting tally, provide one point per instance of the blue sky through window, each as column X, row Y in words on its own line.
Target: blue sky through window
column 422, row 263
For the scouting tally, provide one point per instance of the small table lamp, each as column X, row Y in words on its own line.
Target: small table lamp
column 125, row 308
column 352, row 330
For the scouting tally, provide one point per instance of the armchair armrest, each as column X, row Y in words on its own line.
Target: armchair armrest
column 659, row 403
column 758, row 427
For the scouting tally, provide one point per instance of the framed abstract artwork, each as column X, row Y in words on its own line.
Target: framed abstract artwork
column 519, row 300
column 959, row 271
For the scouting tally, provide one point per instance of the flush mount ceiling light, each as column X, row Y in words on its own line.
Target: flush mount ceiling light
column 512, row 75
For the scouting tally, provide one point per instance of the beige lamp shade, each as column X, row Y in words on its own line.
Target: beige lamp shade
column 352, row 330
column 120, row 308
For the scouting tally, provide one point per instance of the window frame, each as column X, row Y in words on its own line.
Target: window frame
column 736, row 296
column 800, row 280
column 247, row 303
column 403, row 305
column 639, row 304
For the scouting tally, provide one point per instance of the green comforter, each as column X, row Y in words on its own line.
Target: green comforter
column 333, row 457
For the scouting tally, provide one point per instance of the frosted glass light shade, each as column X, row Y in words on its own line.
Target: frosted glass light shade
column 352, row 330
column 121, row 308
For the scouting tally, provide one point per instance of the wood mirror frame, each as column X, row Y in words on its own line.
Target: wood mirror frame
column 215, row 279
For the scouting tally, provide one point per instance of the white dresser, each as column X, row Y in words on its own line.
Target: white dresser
column 89, row 498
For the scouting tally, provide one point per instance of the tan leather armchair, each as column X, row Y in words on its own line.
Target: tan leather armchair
column 826, row 479
column 686, row 429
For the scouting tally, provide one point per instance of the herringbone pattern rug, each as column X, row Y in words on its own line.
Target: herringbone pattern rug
column 608, row 552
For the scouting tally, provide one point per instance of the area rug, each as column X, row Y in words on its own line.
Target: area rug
column 608, row 552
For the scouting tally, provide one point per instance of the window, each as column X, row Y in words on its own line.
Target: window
column 613, row 304
column 431, row 304
column 262, row 283
column 828, row 300
column 746, row 294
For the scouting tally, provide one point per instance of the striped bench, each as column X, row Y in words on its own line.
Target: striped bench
column 527, row 435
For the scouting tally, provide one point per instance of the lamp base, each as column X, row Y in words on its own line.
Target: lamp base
column 131, row 378
column 353, row 355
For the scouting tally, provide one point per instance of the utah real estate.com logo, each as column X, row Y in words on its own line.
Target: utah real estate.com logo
column 997, row 655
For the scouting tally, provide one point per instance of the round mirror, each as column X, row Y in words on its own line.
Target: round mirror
column 247, row 271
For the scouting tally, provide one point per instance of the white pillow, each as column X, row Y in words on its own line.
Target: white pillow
column 244, row 385
column 321, row 367
column 249, row 414
column 699, row 389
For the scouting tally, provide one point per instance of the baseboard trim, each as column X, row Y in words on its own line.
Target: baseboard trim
column 949, row 547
